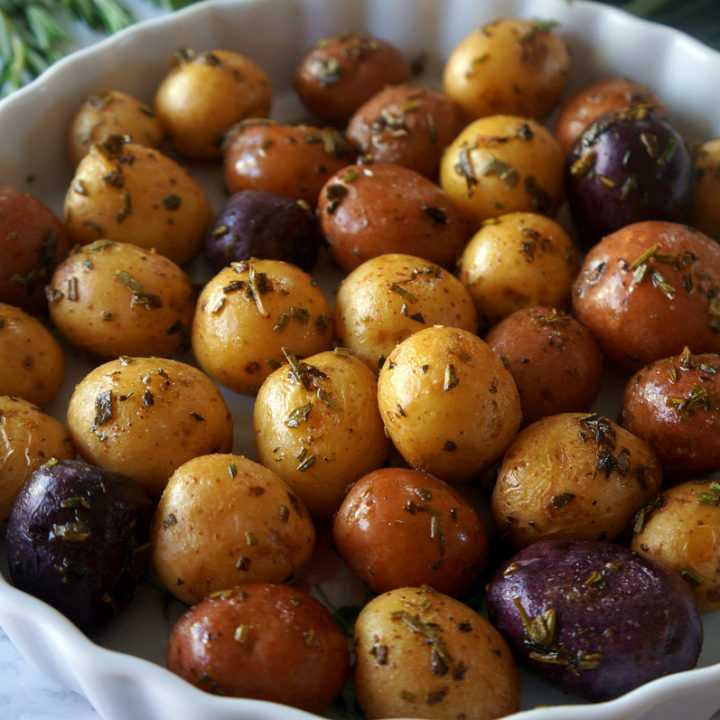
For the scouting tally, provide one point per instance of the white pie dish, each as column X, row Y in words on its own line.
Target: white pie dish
column 122, row 674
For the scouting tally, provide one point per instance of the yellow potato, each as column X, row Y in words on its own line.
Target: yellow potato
column 145, row 417
column 448, row 404
column 224, row 520
column 130, row 193
column 249, row 312
column 205, row 94
column 607, row 475
column 517, row 261
column 422, row 654
column 112, row 299
column 501, row 164
column 32, row 364
column 28, row 439
column 318, row 427
column 517, row 66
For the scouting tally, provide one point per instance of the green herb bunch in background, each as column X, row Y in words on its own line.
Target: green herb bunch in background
column 33, row 33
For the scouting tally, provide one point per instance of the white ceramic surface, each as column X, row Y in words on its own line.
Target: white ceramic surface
column 122, row 673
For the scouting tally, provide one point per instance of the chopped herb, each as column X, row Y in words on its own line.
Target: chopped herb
column 298, row 415
column 451, row 380
column 103, row 409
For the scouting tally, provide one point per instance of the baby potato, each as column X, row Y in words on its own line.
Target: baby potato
column 680, row 529
column 32, row 243
column 29, row 439
column 401, row 527
column 705, row 213
column 607, row 475
column 338, row 74
column 112, row 298
column 422, row 654
column 517, row 261
column 111, row 112
column 224, row 520
column 501, row 164
column 32, row 364
column 554, row 360
column 317, row 425
column 448, row 404
column 367, row 210
column 515, row 66
column 264, row 641
column 250, row 313
column 392, row 296
column 674, row 406
column 205, row 94
column 146, row 416
column 408, row 125
column 130, row 193
column 292, row 160
column 588, row 103
column 648, row 290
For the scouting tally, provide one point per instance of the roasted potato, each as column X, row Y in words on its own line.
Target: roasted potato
column 705, row 212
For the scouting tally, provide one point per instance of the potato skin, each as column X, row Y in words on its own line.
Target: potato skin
column 679, row 529
column 518, row 260
column 111, row 112
column 146, row 416
column 292, row 160
column 32, row 363
column 249, row 312
column 609, row 474
column 33, row 240
column 674, row 406
column 263, row 641
column 705, row 212
column 224, row 520
column 367, row 210
column 115, row 299
column 636, row 322
column 501, row 164
column 130, row 193
column 205, row 94
column 398, row 526
column 338, row 74
column 448, row 404
column 392, row 296
column 422, row 654
column 513, row 65
column 29, row 439
column 408, row 125
column 554, row 360
column 319, row 428
column 594, row 619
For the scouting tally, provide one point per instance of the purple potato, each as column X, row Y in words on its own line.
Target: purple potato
column 265, row 225
column 629, row 165
column 77, row 538
column 595, row 619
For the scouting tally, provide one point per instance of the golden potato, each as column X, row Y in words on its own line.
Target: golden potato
column 145, row 417
column 224, row 520
column 422, row 654
column 134, row 194
column 111, row 112
column 681, row 530
column 501, row 164
column 317, row 425
column 392, row 296
column 205, row 94
column 517, row 261
column 29, row 438
column 249, row 312
column 607, row 474
column 32, row 364
column 516, row 66
column 705, row 213
column 448, row 404
column 112, row 299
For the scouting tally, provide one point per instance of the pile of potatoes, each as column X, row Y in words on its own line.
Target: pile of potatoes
column 433, row 413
